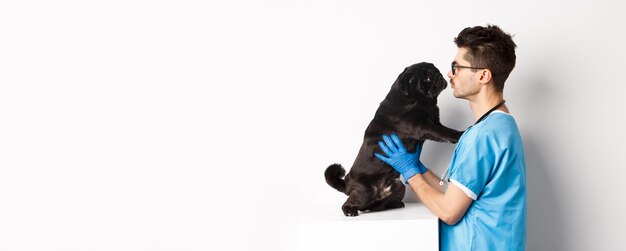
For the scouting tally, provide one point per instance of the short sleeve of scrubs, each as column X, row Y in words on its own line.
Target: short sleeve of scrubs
column 473, row 166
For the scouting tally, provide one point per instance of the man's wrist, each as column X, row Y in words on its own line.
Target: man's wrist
column 411, row 173
column 422, row 168
column 414, row 178
column 418, row 169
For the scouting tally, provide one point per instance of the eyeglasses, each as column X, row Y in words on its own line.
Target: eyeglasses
column 454, row 66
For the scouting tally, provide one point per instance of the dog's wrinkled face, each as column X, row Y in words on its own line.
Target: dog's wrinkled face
column 422, row 80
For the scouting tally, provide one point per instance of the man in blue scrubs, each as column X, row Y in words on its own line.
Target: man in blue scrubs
column 481, row 200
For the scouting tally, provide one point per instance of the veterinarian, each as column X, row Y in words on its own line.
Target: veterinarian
column 481, row 198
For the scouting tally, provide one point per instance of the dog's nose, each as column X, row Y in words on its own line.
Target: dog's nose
column 443, row 80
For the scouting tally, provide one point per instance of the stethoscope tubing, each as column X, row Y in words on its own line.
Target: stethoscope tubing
column 446, row 173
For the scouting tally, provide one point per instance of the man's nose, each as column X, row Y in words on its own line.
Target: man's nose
column 450, row 74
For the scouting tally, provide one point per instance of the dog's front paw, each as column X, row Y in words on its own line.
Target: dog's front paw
column 350, row 211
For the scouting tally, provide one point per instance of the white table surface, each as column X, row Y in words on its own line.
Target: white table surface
column 326, row 228
column 332, row 212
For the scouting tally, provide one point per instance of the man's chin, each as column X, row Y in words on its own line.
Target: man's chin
column 461, row 96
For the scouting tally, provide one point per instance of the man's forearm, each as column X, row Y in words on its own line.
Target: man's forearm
column 433, row 181
column 428, row 193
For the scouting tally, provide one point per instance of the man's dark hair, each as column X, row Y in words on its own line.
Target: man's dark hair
column 489, row 47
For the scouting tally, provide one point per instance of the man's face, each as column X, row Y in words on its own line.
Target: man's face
column 464, row 82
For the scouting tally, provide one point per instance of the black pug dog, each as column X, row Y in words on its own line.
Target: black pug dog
column 410, row 111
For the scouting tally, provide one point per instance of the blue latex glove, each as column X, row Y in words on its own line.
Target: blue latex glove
column 396, row 155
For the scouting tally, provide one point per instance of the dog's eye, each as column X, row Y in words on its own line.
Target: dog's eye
column 428, row 79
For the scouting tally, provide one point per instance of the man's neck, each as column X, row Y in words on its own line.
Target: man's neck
column 483, row 103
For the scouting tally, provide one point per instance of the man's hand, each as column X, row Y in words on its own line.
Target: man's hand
column 407, row 164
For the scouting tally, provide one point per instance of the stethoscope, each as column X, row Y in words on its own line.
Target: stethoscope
column 446, row 173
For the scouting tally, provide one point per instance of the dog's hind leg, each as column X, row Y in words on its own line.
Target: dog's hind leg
column 393, row 200
column 397, row 194
column 360, row 197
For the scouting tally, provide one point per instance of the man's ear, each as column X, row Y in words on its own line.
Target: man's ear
column 485, row 76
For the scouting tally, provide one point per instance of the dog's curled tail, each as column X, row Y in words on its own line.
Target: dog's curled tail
column 334, row 177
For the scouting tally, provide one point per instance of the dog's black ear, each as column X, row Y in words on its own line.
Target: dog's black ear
column 406, row 82
column 406, row 86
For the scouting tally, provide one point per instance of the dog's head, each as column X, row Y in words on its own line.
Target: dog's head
column 422, row 80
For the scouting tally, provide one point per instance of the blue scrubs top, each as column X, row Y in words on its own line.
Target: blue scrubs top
column 488, row 165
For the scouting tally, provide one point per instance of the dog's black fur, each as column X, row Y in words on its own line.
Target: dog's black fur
column 410, row 111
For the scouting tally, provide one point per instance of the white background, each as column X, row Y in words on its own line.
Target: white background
column 194, row 125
